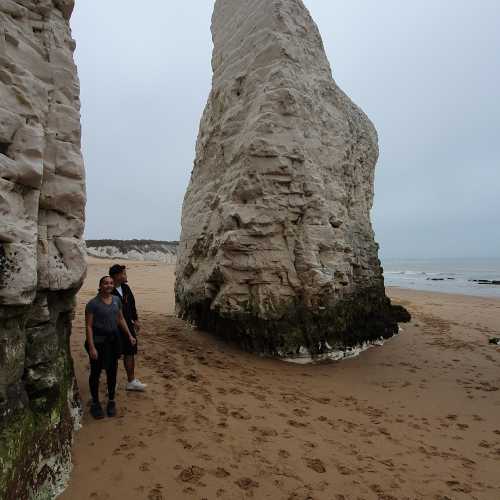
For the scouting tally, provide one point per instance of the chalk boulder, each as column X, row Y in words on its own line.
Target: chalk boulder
column 277, row 250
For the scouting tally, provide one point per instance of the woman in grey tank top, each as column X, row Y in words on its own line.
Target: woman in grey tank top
column 103, row 320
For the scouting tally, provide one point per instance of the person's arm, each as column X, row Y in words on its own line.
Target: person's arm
column 89, row 318
column 123, row 325
column 135, row 317
column 137, row 325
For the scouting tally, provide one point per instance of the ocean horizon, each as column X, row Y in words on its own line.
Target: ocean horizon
column 467, row 276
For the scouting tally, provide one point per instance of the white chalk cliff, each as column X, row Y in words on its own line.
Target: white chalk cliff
column 136, row 250
column 42, row 254
column 277, row 250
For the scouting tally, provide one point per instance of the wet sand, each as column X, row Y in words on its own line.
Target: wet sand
column 418, row 418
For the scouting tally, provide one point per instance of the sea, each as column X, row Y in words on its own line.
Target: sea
column 462, row 276
column 459, row 276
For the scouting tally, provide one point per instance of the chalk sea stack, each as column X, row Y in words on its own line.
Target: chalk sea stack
column 277, row 250
column 42, row 254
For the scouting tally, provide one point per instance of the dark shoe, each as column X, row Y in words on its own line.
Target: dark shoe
column 111, row 409
column 96, row 411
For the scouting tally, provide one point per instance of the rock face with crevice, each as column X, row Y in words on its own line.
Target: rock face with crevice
column 277, row 250
column 42, row 254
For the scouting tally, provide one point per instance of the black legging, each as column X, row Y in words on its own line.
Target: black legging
column 96, row 366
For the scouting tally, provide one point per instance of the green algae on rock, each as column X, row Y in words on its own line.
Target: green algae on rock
column 38, row 411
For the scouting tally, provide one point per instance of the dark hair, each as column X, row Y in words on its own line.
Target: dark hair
column 116, row 269
column 101, row 280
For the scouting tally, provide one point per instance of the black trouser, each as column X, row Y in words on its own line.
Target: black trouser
column 107, row 361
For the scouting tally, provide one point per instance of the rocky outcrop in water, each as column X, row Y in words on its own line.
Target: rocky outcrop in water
column 277, row 249
column 42, row 254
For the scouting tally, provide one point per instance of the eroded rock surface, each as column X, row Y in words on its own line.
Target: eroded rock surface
column 42, row 199
column 277, row 249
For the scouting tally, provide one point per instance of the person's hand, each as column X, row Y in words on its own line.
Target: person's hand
column 93, row 353
column 132, row 340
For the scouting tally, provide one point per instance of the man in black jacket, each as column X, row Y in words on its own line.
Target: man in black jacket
column 122, row 290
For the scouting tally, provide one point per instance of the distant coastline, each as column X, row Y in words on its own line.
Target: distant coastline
column 138, row 250
column 466, row 276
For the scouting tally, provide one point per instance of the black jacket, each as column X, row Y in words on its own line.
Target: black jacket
column 128, row 304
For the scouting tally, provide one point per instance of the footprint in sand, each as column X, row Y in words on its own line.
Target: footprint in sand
column 376, row 488
column 192, row 474
column 264, row 432
column 222, row 409
column 221, row 365
column 286, row 434
column 201, row 419
column 221, row 473
column 202, row 359
column 192, row 377
column 218, row 437
column 246, row 483
column 300, row 412
column 309, row 444
column 344, row 470
column 155, row 494
column 99, row 495
column 459, row 487
column 301, row 496
column 241, row 414
column 323, row 401
column 289, row 398
column 257, row 396
column 303, row 493
column 185, row 444
column 296, row 424
column 316, row 465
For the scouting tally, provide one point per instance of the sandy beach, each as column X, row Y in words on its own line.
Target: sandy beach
column 418, row 418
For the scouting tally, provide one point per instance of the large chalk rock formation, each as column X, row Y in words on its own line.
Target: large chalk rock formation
column 277, row 249
column 42, row 199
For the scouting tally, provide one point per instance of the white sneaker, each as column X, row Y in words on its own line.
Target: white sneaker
column 135, row 385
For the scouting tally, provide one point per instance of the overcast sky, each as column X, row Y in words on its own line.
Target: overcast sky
column 427, row 73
